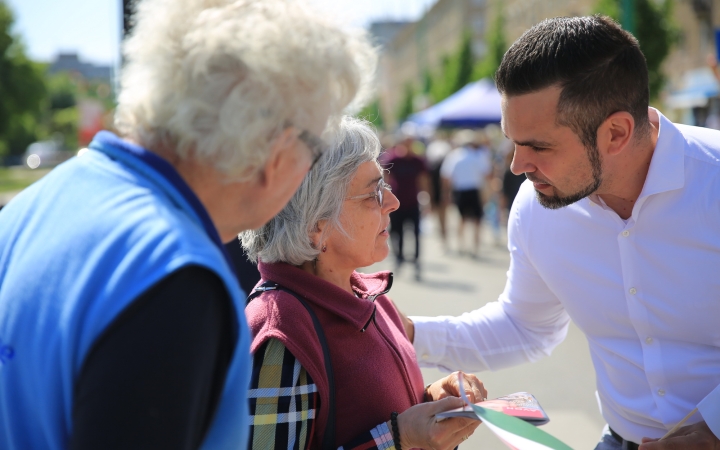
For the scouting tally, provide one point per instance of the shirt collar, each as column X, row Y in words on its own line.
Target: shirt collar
column 667, row 167
column 335, row 300
column 164, row 175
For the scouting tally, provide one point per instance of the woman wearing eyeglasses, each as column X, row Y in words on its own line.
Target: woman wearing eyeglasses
column 332, row 366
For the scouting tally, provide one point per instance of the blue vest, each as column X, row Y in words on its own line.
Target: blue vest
column 76, row 248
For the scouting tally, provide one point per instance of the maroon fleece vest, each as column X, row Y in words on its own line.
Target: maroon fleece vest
column 374, row 364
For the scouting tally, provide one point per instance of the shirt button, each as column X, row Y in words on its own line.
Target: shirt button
column 661, row 392
column 648, row 340
column 626, row 233
column 633, row 291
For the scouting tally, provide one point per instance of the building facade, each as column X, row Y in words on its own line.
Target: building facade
column 419, row 48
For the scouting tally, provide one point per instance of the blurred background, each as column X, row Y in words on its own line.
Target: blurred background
column 437, row 111
column 59, row 61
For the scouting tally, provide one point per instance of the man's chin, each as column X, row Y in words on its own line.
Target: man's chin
column 556, row 202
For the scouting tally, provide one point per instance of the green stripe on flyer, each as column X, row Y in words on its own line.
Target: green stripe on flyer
column 515, row 433
column 519, row 428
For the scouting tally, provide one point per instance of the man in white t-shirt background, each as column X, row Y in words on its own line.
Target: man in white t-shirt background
column 465, row 173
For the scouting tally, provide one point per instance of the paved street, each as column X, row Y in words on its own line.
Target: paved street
column 563, row 383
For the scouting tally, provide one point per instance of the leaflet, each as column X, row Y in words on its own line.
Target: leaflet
column 520, row 404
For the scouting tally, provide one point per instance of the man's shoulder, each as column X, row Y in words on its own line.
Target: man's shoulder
column 703, row 144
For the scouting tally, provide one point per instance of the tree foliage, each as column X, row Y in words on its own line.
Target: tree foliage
column 460, row 67
column 496, row 46
column 372, row 114
column 61, row 115
column 22, row 90
column 455, row 72
column 654, row 30
column 407, row 106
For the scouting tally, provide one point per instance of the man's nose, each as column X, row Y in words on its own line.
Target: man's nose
column 522, row 161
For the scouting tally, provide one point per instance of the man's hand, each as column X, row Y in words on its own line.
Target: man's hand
column 696, row 436
column 449, row 387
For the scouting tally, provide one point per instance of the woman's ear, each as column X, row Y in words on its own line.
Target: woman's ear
column 317, row 233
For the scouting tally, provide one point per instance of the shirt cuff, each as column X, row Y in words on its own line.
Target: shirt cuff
column 430, row 339
column 709, row 408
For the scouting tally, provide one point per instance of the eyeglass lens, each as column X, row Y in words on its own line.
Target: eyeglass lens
column 380, row 191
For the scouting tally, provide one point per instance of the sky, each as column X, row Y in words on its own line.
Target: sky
column 92, row 28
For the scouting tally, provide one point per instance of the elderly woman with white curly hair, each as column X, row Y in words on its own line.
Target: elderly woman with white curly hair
column 121, row 321
column 332, row 365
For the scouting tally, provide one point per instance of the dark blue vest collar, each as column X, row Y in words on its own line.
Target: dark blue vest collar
column 108, row 142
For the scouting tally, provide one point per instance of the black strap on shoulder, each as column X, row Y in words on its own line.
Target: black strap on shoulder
column 328, row 442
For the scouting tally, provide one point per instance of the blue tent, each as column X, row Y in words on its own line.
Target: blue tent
column 699, row 85
column 475, row 105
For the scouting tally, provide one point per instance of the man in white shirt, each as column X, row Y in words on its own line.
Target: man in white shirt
column 617, row 228
column 463, row 173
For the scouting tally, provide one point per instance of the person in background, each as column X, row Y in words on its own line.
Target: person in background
column 616, row 229
column 407, row 175
column 121, row 320
column 510, row 185
column 336, row 222
column 435, row 154
column 465, row 172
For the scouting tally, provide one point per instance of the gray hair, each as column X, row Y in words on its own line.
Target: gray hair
column 218, row 80
column 286, row 238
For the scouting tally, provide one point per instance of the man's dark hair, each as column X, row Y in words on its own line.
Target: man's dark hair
column 597, row 64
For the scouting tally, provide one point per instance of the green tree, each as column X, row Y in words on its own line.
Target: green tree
column 496, row 46
column 463, row 64
column 438, row 89
column 22, row 91
column 455, row 72
column 61, row 116
column 372, row 114
column 654, row 30
column 407, row 104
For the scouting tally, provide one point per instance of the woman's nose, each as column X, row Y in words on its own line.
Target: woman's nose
column 390, row 202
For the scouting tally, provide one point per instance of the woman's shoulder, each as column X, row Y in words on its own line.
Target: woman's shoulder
column 278, row 314
column 275, row 307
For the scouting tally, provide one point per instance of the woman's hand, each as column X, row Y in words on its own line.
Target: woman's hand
column 449, row 387
column 420, row 429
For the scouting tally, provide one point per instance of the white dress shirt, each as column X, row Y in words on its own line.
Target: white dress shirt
column 646, row 292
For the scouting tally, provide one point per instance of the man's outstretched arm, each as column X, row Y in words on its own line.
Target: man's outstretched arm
column 525, row 324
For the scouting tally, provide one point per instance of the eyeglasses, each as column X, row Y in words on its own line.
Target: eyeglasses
column 314, row 143
column 379, row 193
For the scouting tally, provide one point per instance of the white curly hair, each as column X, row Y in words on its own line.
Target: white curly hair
column 217, row 80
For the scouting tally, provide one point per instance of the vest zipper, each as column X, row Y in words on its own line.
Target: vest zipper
column 372, row 318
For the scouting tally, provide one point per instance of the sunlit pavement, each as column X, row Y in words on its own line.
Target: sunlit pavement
column 564, row 383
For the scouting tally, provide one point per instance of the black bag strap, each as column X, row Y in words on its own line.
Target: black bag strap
column 328, row 442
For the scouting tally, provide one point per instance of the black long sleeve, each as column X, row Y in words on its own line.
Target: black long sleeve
column 155, row 376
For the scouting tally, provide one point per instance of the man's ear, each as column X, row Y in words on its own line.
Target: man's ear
column 281, row 153
column 616, row 132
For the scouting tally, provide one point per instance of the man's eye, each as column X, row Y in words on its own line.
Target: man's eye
column 538, row 149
